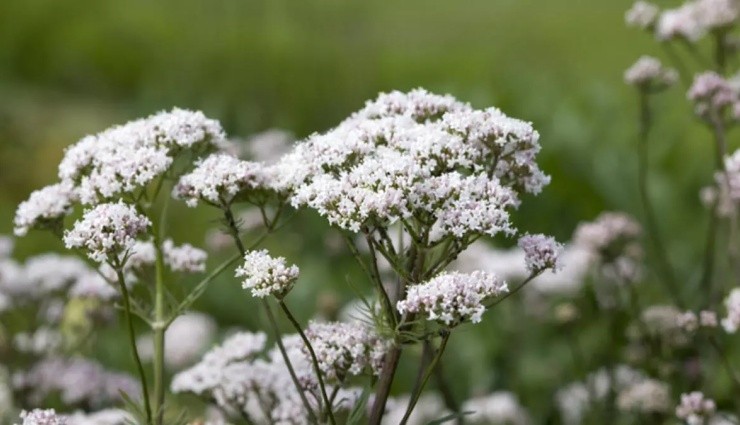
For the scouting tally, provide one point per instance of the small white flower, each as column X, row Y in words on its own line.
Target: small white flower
column 649, row 73
column 695, row 408
column 731, row 322
column 642, row 15
column 453, row 298
column 541, row 253
column 266, row 275
column 184, row 258
column 107, row 231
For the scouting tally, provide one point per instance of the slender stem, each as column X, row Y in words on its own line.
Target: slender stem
column 314, row 359
column 683, row 71
column 234, row 231
column 668, row 276
column 288, row 364
column 387, row 306
column 415, row 396
column 720, row 52
column 448, row 397
column 517, row 289
column 159, row 328
column 390, row 364
column 132, row 342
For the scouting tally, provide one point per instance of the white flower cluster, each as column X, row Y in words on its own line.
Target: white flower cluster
column 647, row 396
column 690, row 322
column 125, row 158
column 184, row 258
column 695, row 18
column 42, row 341
column 241, row 377
column 185, row 340
column 575, row 399
column 649, row 74
column 45, row 208
column 77, row 381
column 614, row 239
column 42, row 417
column 107, row 231
column 541, row 253
column 266, row 275
column 695, row 408
column 344, row 349
column 417, row 154
column 642, row 15
column 219, row 179
column 731, row 322
column 498, row 408
column 117, row 162
column 712, row 94
column 453, row 298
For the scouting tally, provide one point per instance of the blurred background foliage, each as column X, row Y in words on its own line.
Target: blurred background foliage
column 70, row 68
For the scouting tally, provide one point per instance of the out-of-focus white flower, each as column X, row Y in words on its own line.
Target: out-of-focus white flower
column 648, row 396
column 642, row 15
column 541, row 253
column 101, row 417
column 695, row 408
column 346, row 349
column 42, row 417
column 269, row 145
column 428, row 408
column 6, row 246
column 695, row 18
column 184, row 258
column 219, row 179
column 186, row 339
column 731, row 322
column 77, row 381
column 649, row 73
column 498, row 408
column 266, row 275
column 107, row 231
column 453, row 298
column 712, row 94
column 613, row 238
column 42, row 341
column 44, row 208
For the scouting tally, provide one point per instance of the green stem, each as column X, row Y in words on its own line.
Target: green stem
column 234, row 231
column 415, row 396
column 132, row 342
column 314, row 359
column 159, row 328
column 288, row 364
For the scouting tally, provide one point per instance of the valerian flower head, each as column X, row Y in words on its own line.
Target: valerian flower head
column 650, row 75
column 42, row 417
column 642, row 15
column 416, row 154
column 541, row 253
column 344, row 349
column 613, row 238
column 45, row 208
column 219, row 179
column 266, row 275
column 731, row 322
column 453, row 298
column 695, row 18
column 501, row 407
column 126, row 158
column 184, row 258
column 648, row 396
column 107, row 231
column 186, row 339
column 695, row 408
column 713, row 95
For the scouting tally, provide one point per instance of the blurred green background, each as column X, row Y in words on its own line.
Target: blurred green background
column 70, row 68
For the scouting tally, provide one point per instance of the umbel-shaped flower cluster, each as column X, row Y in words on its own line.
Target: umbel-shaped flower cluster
column 417, row 155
